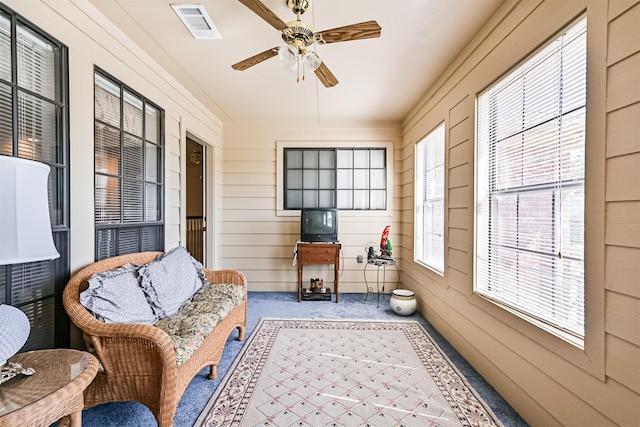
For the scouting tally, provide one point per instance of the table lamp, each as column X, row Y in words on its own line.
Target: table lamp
column 25, row 236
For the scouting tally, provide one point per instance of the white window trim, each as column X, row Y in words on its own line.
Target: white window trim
column 281, row 145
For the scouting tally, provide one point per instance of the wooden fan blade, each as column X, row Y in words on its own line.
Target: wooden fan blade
column 326, row 76
column 255, row 59
column 263, row 12
column 363, row 30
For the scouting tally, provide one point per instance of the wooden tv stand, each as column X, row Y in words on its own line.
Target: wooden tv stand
column 318, row 253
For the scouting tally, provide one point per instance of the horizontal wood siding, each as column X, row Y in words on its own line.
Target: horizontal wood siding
column 547, row 380
column 259, row 241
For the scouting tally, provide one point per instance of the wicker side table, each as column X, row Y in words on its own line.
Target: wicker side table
column 54, row 391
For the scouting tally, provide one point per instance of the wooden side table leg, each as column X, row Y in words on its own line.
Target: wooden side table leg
column 336, row 274
column 299, row 281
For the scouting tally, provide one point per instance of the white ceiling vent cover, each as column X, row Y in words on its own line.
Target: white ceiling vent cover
column 197, row 21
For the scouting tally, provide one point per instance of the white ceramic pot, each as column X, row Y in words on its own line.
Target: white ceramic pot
column 403, row 302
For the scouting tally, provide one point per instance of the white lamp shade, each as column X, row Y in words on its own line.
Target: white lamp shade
column 25, row 227
column 14, row 331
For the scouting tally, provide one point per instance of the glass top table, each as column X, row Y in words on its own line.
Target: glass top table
column 54, row 391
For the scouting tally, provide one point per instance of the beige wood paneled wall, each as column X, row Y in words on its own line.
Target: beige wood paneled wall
column 260, row 241
column 547, row 380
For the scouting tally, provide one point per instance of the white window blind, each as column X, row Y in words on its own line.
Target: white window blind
column 530, row 186
column 429, row 201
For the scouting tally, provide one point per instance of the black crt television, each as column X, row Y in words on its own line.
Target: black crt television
column 319, row 225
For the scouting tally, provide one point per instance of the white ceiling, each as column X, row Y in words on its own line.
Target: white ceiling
column 380, row 79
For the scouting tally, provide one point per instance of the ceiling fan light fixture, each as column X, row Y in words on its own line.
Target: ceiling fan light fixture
column 311, row 61
column 288, row 56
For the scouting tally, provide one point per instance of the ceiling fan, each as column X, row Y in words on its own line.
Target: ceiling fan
column 299, row 36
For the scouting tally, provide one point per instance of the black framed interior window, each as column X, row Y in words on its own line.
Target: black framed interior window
column 129, row 153
column 34, row 124
column 346, row 178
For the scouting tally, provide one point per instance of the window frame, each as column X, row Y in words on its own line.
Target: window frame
column 570, row 337
column 37, row 296
column 420, row 205
column 116, row 231
column 387, row 144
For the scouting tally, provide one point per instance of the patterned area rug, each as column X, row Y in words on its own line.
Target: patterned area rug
column 304, row 372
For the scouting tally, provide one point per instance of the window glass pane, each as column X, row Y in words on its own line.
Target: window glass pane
column 128, row 240
column 152, row 124
column 360, row 158
column 294, row 159
column 310, row 179
column 294, row 179
column 378, row 199
column 572, row 224
column 107, row 200
column 151, row 238
column 107, row 149
column 294, row 199
column 132, row 201
column 56, row 188
column 378, row 179
column 6, row 121
column 377, row 158
column 310, row 159
column 360, row 199
column 153, row 169
column 310, row 199
column 326, row 179
column 361, row 178
column 327, row 159
column 132, row 157
column 345, row 199
column 345, row 178
column 5, row 47
column 106, row 243
column 345, row 158
column 36, row 63
column 132, row 114
column 31, row 281
column 326, row 198
column 37, row 129
column 152, row 199
column 107, row 101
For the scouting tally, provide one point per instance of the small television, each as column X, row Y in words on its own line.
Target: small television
column 319, row 225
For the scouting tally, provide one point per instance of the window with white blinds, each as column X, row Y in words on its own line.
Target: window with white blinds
column 34, row 125
column 429, row 201
column 128, row 170
column 530, row 167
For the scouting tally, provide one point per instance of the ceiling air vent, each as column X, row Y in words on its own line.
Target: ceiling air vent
column 197, row 21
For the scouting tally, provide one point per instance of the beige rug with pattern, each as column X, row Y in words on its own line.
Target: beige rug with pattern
column 318, row 372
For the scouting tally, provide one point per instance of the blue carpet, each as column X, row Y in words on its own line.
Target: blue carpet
column 285, row 305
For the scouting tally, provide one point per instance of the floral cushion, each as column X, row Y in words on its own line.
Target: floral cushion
column 197, row 318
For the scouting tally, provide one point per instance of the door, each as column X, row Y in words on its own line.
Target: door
column 196, row 200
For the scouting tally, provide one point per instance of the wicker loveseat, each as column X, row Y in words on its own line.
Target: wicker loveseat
column 140, row 361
